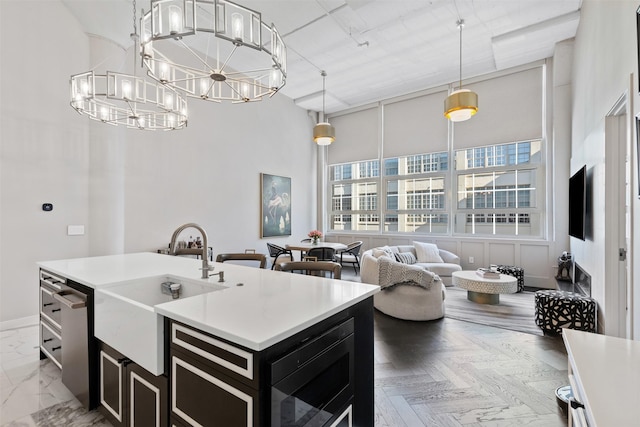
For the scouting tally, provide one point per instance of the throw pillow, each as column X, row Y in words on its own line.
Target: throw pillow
column 384, row 250
column 377, row 252
column 406, row 257
column 427, row 252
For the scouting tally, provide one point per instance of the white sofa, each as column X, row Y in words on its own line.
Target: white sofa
column 407, row 301
column 443, row 269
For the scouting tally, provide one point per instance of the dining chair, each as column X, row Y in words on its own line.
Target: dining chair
column 321, row 253
column 310, row 267
column 303, row 253
column 260, row 258
column 350, row 255
column 276, row 252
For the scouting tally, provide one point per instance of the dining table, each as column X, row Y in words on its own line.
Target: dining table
column 303, row 247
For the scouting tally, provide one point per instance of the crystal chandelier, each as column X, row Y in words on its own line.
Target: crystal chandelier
column 244, row 62
column 123, row 99
column 461, row 104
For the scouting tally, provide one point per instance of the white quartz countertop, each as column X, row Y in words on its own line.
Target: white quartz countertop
column 258, row 307
column 608, row 373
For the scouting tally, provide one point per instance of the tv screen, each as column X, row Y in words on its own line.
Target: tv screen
column 578, row 203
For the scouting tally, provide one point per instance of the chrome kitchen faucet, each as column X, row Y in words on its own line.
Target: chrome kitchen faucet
column 206, row 268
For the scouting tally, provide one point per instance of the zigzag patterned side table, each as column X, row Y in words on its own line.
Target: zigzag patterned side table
column 556, row 310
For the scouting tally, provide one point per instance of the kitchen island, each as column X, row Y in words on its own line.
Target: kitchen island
column 247, row 351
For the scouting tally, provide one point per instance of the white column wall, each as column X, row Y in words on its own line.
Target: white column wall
column 605, row 56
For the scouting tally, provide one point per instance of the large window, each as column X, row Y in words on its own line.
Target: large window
column 416, row 194
column 497, row 190
column 354, row 196
column 414, row 200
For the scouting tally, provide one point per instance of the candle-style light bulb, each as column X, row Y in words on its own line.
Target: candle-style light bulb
column 104, row 114
column 204, row 87
column 175, row 19
column 168, row 101
column 147, row 45
column 84, row 87
column 275, row 79
column 126, row 89
column 237, row 26
column 164, row 73
column 245, row 91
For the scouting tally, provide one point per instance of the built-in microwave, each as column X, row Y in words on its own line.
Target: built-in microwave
column 312, row 386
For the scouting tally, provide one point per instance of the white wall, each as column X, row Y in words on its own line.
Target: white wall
column 130, row 189
column 44, row 150
column 605, row 57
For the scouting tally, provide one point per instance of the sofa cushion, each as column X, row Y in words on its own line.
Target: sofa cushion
column 442, row 269
column 406, row 257
column 427, row 252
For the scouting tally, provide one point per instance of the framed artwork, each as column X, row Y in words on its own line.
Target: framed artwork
column 275, row 205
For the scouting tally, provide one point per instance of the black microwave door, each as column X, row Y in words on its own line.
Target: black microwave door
column 316, row 393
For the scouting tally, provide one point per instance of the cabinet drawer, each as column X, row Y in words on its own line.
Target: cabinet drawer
column 229, row 359
column 202, row 396
column 52, row 280
column 51, row 343
column 50, row 307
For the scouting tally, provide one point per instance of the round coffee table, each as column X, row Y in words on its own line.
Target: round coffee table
column 484, row 290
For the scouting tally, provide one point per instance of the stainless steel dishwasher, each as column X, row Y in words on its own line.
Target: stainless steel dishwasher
column 75, row 345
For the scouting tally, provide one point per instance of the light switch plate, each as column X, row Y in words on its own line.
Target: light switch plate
column 75, row 230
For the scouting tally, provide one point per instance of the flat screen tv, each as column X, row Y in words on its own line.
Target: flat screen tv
column 578, row 203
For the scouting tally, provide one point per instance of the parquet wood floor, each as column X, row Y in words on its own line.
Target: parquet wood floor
column 447, row 373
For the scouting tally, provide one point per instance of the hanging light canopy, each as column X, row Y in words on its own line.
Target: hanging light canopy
column 461, row 104
column 245, row 62
column 323, row 133
column 123, row 99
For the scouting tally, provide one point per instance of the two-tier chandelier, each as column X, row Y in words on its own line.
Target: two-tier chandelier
column 245, row 61
column 461, row 104
column 124, row 99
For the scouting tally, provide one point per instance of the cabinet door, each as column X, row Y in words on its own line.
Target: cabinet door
column 204, row 397
column 129, row 394
column 112, row 389
column 147, row 396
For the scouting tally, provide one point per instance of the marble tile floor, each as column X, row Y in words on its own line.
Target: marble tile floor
column 32, row 393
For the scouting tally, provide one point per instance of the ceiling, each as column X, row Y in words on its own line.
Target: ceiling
column 378, row 49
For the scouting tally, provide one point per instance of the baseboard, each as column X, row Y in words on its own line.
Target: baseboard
column 19, row 323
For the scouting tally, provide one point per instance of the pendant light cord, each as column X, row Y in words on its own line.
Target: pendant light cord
column 460, row 25
column 324, row 77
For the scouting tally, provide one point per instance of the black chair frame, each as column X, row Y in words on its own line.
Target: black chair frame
column 352, row 249
column 321, row 253
column 276, row 251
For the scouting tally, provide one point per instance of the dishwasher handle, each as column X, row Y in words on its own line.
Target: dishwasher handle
column 71, row 299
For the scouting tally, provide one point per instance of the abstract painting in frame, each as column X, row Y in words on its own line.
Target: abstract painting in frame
column 275, row 211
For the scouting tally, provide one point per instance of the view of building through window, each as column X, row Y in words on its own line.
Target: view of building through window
column 493, row 189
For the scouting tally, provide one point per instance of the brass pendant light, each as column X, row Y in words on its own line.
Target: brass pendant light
column 323, row 133
column 461, row 104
